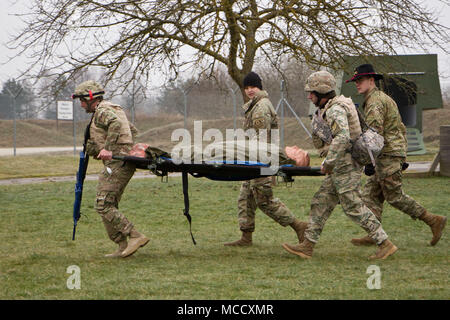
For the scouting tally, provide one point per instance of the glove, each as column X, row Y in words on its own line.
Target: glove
column 324, row 151
column 405, row 166
column 369, row 170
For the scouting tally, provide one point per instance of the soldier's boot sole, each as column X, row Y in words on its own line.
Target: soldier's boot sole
column 437, row 233
column 116, row 254
column 288, row 248
column 133, row 245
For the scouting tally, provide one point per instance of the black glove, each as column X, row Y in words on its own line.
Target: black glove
column 369, row 170
column 405, row 166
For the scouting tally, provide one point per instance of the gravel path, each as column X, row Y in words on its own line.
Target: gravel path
column 23, row 151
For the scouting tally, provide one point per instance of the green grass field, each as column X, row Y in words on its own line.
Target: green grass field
column 36, row 247
column 66, row 164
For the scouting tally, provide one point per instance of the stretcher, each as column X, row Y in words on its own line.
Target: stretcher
column 220, row 171
column 161, row 165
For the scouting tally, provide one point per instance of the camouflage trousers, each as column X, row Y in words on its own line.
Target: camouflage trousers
column 257, row 193
column 111, row 185
column 386, row 185
column 343, row 188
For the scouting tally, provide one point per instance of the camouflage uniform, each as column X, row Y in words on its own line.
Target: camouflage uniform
column 257, row 193
column 343, row 184
column 111, row 130
column 381, row 113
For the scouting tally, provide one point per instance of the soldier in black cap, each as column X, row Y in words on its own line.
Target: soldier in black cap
column 260, row 116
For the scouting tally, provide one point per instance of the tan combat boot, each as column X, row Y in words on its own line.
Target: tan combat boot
column 436, row 223
column 364, row 241
column 245, row 240
column 118, row 253
column 385, row 249
column 136, row 241
column 304, row 249
column 299, row 227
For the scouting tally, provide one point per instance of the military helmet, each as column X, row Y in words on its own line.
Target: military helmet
column 321, row 82
column 88, row 89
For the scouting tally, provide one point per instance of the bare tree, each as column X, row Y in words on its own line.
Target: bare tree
column 66, row 36
column 206, row 96
column 294, row 75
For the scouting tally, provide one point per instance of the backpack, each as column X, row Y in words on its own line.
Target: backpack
column 368, row 145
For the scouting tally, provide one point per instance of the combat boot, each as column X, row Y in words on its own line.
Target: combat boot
column 136, row 241
column 385, row 249
column 299, row 227
column 436, row 223
column 245, row 240
column 364, row 241
column 304, row 249
column 118, row 253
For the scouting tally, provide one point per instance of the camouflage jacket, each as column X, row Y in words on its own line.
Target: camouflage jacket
column 340, row 114
column 321, row 133
column 381, row 114
column 260, row 114
column 110, row 130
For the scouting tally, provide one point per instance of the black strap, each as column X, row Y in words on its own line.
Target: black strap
column 76, row 96
column 87, row 134
column 362, row 121
column 186, row 203
column 252, row 104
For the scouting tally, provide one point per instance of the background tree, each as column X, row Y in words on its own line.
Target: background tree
column 24, row 98
column 446, row 96
column 171, row 97
column 294, row 75
column 211, row 96
column 66, row 36
column 51, row 91
column 54, row 88
column 133, row 97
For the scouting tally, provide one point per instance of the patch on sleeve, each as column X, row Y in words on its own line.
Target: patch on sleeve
column 259, row 123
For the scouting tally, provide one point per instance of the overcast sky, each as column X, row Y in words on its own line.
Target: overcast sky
column 10, row 24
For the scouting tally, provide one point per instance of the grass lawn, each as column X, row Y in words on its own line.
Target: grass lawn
column 44, row 165
column 36, row 230
column 66, row 164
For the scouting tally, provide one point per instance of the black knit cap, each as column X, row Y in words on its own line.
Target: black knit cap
column 252, row 80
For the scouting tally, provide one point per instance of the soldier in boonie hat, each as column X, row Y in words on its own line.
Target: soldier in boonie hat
column 385, row 182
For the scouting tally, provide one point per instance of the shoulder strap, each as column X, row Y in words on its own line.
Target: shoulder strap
column 362, row 122
column 252, row 104
column 87, row 134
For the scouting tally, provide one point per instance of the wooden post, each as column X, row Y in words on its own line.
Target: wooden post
column 444, row 150
column 434, row 164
